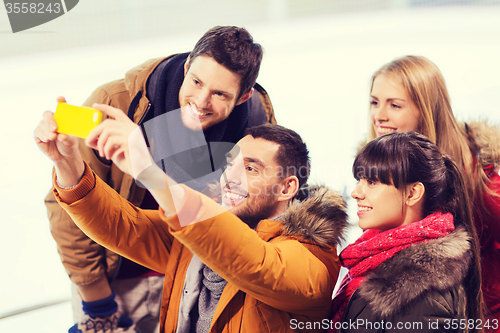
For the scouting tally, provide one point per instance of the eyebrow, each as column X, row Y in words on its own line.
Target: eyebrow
column 253, row 160
column 216, row 90
column 229, row 155
column 195, row 76
column 389, row 99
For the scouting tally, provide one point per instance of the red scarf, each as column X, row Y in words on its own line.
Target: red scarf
column 375, row 246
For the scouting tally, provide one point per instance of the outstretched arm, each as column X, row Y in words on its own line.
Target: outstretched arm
column 69, row 171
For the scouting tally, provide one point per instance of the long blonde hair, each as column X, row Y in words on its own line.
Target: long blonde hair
column 425, row 85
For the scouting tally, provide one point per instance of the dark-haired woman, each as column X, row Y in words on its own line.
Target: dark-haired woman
column 416, row 267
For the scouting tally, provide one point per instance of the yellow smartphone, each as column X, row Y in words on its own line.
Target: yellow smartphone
column 76, row 120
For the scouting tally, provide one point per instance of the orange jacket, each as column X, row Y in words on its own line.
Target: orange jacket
column 274, row 281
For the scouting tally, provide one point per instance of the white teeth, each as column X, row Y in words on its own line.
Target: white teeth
column 234, row 196
column 195, row 111
column 364, row 209
column 200, row 113
column 385, row 130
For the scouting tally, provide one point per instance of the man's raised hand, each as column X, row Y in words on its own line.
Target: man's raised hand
column 120, row 140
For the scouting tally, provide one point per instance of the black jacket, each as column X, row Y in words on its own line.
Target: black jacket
column 420, row 289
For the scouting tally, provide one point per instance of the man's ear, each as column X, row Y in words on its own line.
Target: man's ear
column 289, row 188
column 245, row 97
column 416, row 193
column 186, row 65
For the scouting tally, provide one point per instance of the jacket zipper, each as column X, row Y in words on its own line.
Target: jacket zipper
column 144, row 115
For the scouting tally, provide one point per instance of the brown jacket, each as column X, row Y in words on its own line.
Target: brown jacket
column 85, row 261
column 279, row 275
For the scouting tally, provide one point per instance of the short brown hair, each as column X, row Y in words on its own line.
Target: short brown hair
column 292, row 155
column 233, row 48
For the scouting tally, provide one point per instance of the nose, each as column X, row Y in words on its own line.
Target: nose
column 203, row 99
column 234, row 173
column 380, row 113
column 358, row 192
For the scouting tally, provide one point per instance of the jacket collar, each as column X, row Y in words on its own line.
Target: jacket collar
column 269, row 229
column 136, row 78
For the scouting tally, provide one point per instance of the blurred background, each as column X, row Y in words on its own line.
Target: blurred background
column 319, row 57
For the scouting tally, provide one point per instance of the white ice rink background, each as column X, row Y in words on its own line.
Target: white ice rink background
column 316, row 71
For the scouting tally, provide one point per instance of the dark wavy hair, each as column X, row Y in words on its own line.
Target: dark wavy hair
column 402, row 159
column 233, row 48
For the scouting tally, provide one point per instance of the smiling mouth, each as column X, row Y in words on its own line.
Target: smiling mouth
column 233, row 198
column 362, row 210
column 195, row 112
column 385, row 130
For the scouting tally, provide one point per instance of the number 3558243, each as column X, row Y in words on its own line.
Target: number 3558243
column 33, row 8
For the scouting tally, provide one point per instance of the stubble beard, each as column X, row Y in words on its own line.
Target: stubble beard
column 252, row 213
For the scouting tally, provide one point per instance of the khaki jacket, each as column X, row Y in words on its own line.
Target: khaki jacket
column 279, row 275
column 85, row 261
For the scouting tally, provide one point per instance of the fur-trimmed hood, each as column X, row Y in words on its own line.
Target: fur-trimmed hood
column 318, row 216
column 487, row 138
column 437, row 265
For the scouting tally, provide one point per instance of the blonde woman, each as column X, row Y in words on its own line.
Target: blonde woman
column 409, row 94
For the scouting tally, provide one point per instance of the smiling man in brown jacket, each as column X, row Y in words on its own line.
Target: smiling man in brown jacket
column 217, row 93
column 255, row 264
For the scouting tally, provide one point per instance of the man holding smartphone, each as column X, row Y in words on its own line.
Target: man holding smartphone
column 210, row 93
column 260, row 262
